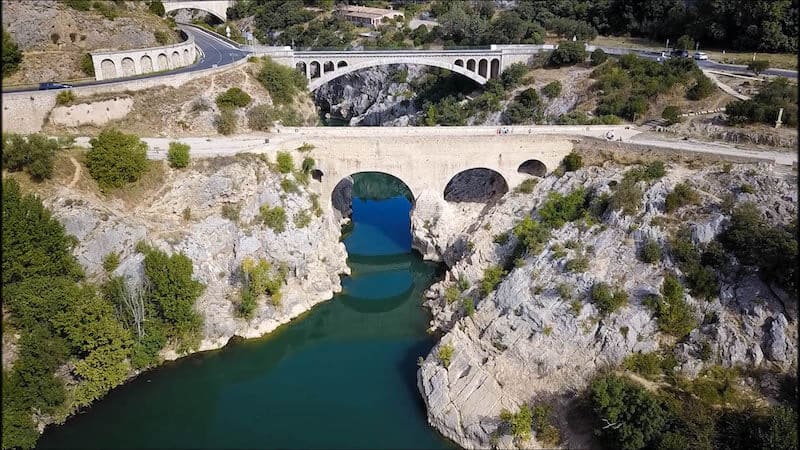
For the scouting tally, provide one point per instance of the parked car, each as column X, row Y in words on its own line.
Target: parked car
column 52, row 85
column 680, row 54
column 700, row 56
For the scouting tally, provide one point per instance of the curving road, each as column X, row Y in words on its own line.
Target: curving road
column 213, row 52
column 216, row 51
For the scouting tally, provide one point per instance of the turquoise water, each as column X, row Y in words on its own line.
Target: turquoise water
column 342, row 376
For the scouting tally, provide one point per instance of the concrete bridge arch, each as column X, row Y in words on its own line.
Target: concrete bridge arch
column 217, row 8
column 323, row 70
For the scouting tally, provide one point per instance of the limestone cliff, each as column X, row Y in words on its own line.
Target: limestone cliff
column 185, row 214
column 528, row 341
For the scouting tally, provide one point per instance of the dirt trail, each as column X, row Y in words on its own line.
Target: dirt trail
column 77, row 175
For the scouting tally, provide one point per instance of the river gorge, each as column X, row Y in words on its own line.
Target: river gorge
column 343, row 375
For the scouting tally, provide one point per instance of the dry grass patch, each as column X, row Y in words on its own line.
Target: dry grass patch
column 150, row 183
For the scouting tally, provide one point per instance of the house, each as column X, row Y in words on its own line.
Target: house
column 364, row 16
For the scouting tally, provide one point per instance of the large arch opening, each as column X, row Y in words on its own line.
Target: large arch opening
column 128, row 67
column 533, row 167
column 195, row 15
column 368, row 186
column 301, row 67
column 477, row 185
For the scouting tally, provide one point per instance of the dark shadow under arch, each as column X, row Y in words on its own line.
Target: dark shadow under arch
column 533, row 167
column 478, row 185
column 369, row 185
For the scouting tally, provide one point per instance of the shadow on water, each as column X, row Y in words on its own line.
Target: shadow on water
column 341, row 376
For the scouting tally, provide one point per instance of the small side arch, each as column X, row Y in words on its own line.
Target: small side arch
column 108, row 68
column 147, row 64
column 314, row 71
column 163, row 62
column 495, row 68
column 483, row 68
column 128, row 67
column 471, row 65
column 460, row 62
column 327, row 67
column 533, row 167
column 341, row 64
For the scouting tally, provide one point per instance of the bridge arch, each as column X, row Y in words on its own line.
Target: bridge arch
column 495, row 68
column 176, row 59
column 147, row 64
column 533, row 167
column 471, row 65
column 327, row 67
column 476, row 185
column 128, row 67
column 108, row 68
column 313, row 70
column 320, row 78
column 390, row 186
column 483, row 68
column 341, row 64
column 163, row 62
column 217, row 8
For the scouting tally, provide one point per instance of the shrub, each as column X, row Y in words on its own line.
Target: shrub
column 79, row 5
column 681, row 195
column 178, row 155
column 672, row 114
column 226, row 122
column 116, row 159
column 156, row 7
column 274, row 218
column 285, row 162
column 282, row 82
column 552, row 89
column 491, row 278
column 260, row 118
column 532, row 234
column 573, row 162
column 87, row 64
column 546, row 432
column 445, row 354
column 289, row 186
column 747, row 188
column 111, row 262
column 162, row 37
column 233, row 98
column 757, row 66
column 568, row 53
column 526, row 187
column 106, row 9
column 579, row 264
column 765, row 105
column 606, row 300
column 451, row 294
column 54, row 37
column 637, row 415
column 469, row 306
column 259, row 278
column 33, row 154
column 519, row 424
column 627, row 197
column 650, row 252
column 598, row 57
column 231, row 212
column 12, row 56
column 512, row 76
column 645, row 364
column 65, row 97
column 673, row 315
column 703, row 88
column 771, row 248
column 559, row 209
column 308, row 164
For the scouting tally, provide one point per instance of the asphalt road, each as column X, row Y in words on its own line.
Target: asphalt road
column 215, row 52
column 707, row 64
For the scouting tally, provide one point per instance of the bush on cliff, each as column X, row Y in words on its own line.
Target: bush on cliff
column 282, row 82
column 178, row 155
column 12, row 56
column 33, row 154
column 116, row 159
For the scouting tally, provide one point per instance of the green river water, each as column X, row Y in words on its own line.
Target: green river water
column 341, row 376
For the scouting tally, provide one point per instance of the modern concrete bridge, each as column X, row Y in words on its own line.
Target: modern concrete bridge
column 479, row 64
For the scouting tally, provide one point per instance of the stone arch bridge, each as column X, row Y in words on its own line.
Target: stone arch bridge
column 427, row 164
column 478, row 64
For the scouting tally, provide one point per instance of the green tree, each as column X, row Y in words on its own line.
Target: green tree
column 173, row 292
column 512, row 76
column 178, row 155
column 34, row 154
column 673, row 315
column 757, row 66
column 672, row 114
column 116, row 159
column 282, row 82
column 568, row 53
column 156, row 7
column 598, row 57
column 519, row 424
column 87, row 64
column 12, row 56
column 630, row 417
column 233, row 98
column 684, row 43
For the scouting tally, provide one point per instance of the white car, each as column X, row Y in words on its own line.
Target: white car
column 701, row 56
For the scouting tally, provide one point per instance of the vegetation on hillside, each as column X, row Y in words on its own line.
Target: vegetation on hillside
column 33, row 154
column 764, row 106
column 12, row 56
column 116, row 159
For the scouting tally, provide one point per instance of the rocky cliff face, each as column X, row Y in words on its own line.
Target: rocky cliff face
column 215, row 244
column 370, row 97
column 528, row 342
